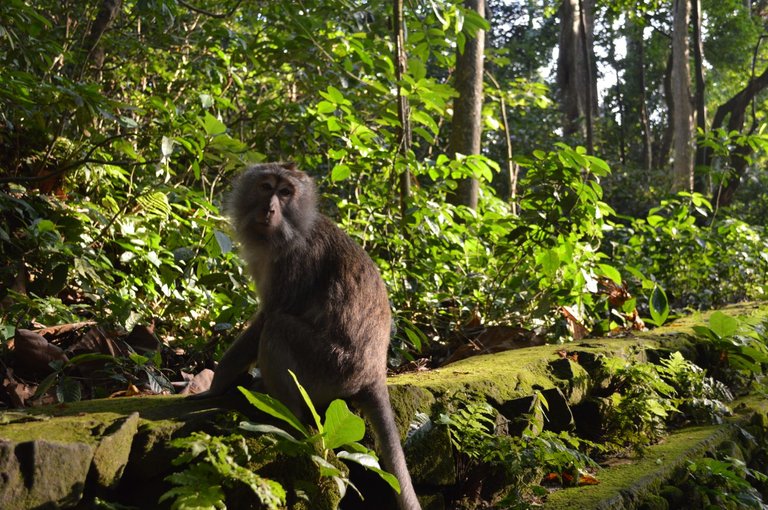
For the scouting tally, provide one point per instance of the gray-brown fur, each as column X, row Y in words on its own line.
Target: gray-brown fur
column 324, row 308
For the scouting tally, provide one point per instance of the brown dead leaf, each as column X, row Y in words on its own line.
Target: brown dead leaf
column 142, row 338
column 130, row 391
column 61, row 330
column 15, row 392
column 617, row 297
column 99, row 340
column 575, row 326
column 588, row 479
column 418, row 365
column 33, row 352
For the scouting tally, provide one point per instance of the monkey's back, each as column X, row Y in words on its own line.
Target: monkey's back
column 333, row 286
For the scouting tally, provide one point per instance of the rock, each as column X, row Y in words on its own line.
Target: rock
column 112, row 452
column 42, row 473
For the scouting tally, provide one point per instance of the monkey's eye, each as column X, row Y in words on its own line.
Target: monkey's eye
column 265, row 186
column 285, row 192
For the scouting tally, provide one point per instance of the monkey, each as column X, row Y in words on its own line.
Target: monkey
column 324, row 312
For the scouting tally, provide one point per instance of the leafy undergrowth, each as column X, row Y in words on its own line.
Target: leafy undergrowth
column 634, row 405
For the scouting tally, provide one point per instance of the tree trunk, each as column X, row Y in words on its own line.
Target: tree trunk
column 107, row 14
column 700, row 181
column 662, row 155
column 637, row 99
column 467, row 123
column 682, row 112
column 575, row 71
column 403, row 109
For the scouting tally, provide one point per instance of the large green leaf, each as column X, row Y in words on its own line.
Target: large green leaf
column 659, row 306
column 370, row 462
column 341, row 425
column 723, row 325
column 274, row 408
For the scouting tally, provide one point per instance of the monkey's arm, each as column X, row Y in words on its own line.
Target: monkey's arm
column 236, row 361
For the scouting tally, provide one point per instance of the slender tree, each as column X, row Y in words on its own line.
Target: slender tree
column 467, row 123
column 403, row 108
column 699, row 96
column 682, row 111
column 575, row 70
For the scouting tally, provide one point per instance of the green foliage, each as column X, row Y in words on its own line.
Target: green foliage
column 688, row 260
column 215, row 463
column 522, row 460
column 736, row 347
column 698, row 397
column 724, row 483
column 636, row 413
column 341, row 428
column 105, row 374
column 471, row 427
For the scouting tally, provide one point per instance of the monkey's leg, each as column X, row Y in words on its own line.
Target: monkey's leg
column 238, row 359
column 290, row 343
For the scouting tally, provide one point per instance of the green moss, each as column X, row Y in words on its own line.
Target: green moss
column 70, row 429
column 653, row 502
column 624, row 486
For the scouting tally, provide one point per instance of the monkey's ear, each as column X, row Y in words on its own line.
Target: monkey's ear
column 290, row 165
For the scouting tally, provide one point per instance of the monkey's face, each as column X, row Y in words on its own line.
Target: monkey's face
column 272, row 203
column 271, row 197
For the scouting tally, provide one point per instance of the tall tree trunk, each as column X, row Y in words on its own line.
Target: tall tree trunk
column 700, row 180
column 575, row 69
column 645, row 121
column 682, row 112
column 662, row 155
column 636, row 93
column 403, row 109
column 94, row 54
column 467, row 122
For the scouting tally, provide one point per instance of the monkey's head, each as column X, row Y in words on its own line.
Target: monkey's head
column 273, row 203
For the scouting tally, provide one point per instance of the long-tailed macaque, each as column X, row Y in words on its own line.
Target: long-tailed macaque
column 324, row 309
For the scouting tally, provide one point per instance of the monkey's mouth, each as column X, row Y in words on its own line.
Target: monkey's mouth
column 261, row 226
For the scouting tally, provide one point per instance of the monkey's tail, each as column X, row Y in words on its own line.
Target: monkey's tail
column 376, row 406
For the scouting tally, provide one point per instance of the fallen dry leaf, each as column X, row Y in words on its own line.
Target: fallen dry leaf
column 33, row 352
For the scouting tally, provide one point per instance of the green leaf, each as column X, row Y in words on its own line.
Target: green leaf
column 341, row 425
column 333, row 95
column 43, row 226
column 340, row 172
column 723, row 325
column 369, row 462
column 549, row 261
column 274, row 408
column 69, row 390
column 212, row 125
column 705, row 332
column 423, row 118
column 308, row 401
column 263, row 428
column 223, row 240
column 659, row 306
column 610, row 272
column 325, row 107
